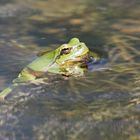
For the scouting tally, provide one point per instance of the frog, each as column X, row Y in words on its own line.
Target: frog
column 68, row 59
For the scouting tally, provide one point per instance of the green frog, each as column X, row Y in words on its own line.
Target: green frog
column 68, row 59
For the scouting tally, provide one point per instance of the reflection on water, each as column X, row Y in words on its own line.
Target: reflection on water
column 102, row 104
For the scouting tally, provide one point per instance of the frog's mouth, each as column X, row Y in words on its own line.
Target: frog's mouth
column 80, row 60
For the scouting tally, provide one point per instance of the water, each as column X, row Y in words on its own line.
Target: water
column 102, row 105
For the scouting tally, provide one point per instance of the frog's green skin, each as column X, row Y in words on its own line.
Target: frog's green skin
column 65, row 60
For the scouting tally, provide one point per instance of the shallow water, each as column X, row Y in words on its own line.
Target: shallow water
column 102, row 105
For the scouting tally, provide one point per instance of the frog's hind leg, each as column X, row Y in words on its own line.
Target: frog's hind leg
column 7, row 91
column 24, row 76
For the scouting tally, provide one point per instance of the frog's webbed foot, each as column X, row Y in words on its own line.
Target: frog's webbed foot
column 39, row 81
column 74, row 71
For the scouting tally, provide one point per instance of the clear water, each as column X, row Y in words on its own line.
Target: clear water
column 102, row 105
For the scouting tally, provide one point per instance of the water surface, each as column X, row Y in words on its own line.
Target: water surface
column 102, row 105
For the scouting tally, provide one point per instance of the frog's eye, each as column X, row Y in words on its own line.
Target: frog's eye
column 65, row 51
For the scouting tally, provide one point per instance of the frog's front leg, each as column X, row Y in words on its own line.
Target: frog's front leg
column 74, row 71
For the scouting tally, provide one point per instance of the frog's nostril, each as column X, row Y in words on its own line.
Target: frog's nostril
column 79, row 47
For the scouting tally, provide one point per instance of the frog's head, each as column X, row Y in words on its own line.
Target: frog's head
column 74, row 51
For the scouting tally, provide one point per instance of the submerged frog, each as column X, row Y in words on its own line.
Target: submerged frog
column 68, row 59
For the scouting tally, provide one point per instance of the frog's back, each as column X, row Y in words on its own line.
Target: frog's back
column 42, row 62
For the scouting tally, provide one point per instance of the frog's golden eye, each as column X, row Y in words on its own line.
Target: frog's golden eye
column 65, row 51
